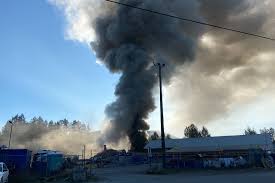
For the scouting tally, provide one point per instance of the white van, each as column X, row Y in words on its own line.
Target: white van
column 4, row 173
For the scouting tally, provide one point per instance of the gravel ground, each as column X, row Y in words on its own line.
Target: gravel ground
column 136, row 174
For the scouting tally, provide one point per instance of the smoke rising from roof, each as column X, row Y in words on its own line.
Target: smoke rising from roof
column 227, row 69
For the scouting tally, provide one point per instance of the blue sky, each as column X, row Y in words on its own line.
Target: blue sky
column 41, row 73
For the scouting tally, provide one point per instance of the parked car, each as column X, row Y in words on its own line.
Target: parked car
column 4, row 173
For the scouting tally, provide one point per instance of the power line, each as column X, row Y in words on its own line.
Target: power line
column 192, row 21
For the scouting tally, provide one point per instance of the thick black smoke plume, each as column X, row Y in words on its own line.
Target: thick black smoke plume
column 228, row 69
column 126, row 41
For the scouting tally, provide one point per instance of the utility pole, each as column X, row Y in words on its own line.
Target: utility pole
column 160, row 66
column 84, row 151
column 10, row 133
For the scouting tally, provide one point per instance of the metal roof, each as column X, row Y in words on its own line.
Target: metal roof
column 241, row 142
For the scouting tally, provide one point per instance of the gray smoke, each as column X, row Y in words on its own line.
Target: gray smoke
column 38, row 134
column 230, row 69
column 227, row 69
column 126, row 41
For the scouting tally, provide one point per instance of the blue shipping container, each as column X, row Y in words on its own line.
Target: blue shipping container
column 17, row 160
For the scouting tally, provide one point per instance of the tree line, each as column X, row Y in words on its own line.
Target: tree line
column 28, row 133
column 192, row 131
column 252, row 131
column 39, row 121
column 38, row 133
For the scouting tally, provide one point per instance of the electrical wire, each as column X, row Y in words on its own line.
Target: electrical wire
column 192, row 21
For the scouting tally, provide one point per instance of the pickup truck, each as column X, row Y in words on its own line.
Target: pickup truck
column 4, row 173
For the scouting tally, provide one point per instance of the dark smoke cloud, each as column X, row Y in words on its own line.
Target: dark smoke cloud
column 226, row 69
column 126, row 41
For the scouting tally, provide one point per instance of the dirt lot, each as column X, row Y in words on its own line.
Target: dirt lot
column 135, row 174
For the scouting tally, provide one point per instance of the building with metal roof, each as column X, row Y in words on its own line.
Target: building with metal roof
column 213, row 144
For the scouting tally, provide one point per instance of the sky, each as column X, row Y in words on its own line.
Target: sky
column 43, row 73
